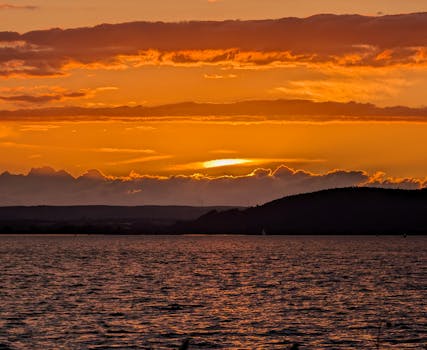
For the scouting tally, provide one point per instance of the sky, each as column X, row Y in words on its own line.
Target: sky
column 209, row 102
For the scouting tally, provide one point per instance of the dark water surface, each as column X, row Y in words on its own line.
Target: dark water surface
column 224, row 292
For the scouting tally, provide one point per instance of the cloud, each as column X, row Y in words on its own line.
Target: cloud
column 17, row 145
column 38, row 127
column 339, row 40
column 45, row 98
column 46, row 94
column 380, row 179
column 223, row 151
column 41, row 186
column 122, row 150
column 252, row 111
column 17, row 7
column 107, row 88
column 344, row 89
column 140, row 159
column 219, row 76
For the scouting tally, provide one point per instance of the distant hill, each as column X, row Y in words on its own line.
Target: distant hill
column 96, row 219
column 358, row 210
column 338, row 211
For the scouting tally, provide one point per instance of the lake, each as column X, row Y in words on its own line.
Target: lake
column 222, row 292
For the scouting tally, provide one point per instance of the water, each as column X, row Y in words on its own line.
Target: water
column 224, row 292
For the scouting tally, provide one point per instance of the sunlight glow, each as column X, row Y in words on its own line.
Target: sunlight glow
column 224, row 162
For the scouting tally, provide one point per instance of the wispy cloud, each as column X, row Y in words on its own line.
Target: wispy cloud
column 38, row 95
column 17, row 7
column 122, row 150
column 342, row 88
column 140, row 160
column 219, row 76
column 223, row 151
column 43, row 98
column 38, row 127
column 17, row 145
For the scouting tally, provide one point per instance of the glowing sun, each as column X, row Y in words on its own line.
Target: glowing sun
column 224, row 162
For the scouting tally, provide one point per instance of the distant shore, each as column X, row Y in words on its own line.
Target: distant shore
column 345, row 211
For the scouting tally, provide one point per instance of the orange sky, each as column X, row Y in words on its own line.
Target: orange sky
column 162, row 148
column 377, row 60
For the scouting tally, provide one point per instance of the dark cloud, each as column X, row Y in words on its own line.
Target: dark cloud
column 47, row 186
column 245, row 111
column 348, row 40
column 42, row 98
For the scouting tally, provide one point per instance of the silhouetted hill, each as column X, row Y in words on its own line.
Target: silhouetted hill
column 96, row 219
column 357, row 210
column 336, row 211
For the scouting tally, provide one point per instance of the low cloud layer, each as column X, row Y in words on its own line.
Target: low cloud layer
column 343, row 40
column 244, row 112
column 45, row 186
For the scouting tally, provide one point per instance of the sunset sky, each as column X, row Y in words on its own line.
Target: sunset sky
column 209, row 101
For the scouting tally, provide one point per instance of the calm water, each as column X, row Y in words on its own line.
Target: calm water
column 222, row 292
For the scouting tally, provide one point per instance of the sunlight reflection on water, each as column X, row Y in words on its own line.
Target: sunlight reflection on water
column 224, row 292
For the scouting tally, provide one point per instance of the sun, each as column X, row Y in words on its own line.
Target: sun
column 216, row 163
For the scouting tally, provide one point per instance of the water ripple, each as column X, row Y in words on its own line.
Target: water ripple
column 94, row 292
